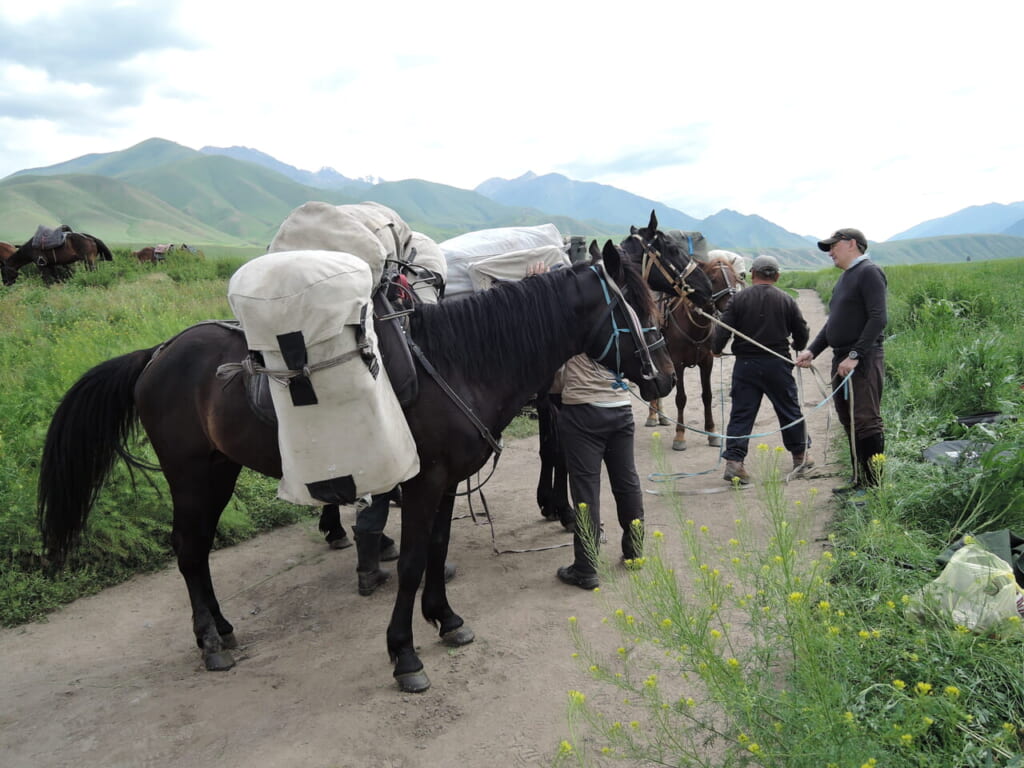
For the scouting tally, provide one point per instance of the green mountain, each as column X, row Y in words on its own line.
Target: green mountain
column 159, row 191
column 148, row 154
column 108, row 208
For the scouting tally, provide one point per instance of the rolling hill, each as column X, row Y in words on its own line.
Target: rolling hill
column 160, row 191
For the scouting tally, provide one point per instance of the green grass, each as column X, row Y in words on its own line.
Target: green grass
column 767, row 652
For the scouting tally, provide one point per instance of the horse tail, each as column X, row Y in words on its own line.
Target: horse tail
column 104, row 251
column 89, row 430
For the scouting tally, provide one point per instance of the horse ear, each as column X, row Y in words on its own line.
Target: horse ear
column 633, row 230
column 594, row 251
column 653, row 225
column 612, row 261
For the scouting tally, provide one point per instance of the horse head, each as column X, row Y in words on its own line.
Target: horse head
column 665, row 266
column 633, row 345
column 725, row 281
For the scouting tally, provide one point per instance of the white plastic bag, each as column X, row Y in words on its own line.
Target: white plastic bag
column 976, row 590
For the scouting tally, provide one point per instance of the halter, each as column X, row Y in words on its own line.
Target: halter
column 613, row 297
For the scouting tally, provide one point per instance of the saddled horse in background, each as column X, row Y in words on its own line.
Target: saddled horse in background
column 688, row 335
column 153, row 253
column 52, row 251
column 478, row 360
column 667, row 270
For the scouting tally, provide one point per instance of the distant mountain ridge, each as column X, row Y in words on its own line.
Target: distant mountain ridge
column 588, row 200
column 326, row 178
column 160, row 191
column 990, row 219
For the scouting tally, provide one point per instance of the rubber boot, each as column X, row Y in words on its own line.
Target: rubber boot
column 368, row 565
column 388, row 549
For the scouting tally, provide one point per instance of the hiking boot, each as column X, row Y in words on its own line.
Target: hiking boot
column 370, row 580
column 341, row 542
column 569, row 575
column 734, row 470
column 802, row 464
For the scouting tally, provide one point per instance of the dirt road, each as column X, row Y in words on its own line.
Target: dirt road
column 115, row 679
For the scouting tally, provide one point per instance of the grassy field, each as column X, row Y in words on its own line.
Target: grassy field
column 953, row 349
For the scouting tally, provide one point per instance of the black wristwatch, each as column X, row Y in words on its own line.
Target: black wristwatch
column 853, row 355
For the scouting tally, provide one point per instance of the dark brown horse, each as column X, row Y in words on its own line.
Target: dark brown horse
column 482, row 358
column 688, row 334
column 53, row 261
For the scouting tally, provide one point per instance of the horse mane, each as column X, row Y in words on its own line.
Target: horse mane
column 636, row 287
column 504, row 331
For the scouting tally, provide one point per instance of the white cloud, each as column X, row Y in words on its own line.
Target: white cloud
column 814, row 115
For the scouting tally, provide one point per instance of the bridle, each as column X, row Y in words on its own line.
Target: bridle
column 729, row 290
column 614, row 297
column 652, row 259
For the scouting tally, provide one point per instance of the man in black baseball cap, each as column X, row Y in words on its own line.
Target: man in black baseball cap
column 845, row 234
column 854, row 330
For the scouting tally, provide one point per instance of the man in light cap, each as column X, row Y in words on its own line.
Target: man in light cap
column 857, row 317
column 764, row 319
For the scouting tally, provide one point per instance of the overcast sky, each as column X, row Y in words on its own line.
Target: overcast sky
column 814, row 115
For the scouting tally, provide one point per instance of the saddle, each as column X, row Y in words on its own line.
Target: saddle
column 50, row 238
column 394, row 352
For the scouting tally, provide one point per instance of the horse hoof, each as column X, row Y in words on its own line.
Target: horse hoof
column 457, row 637
column 664, row 421
column 219, row 661
column 678, row 445
column 715, row 442
column 343, row 543
column 228, row 641
column 652, row 421
column 413, row 682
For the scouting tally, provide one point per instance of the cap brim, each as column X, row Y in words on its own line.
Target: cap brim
column 825, row 245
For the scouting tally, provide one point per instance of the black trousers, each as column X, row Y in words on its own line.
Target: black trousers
column 592, row 436
column 753, row 378
column 866, row 384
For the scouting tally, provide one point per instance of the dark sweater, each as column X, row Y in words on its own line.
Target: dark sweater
column 857, row 313
column 766, row 314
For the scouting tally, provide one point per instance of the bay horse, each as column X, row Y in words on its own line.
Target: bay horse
column 478, row 360
column 74, row 246
column 688, row 335
column 153, row 253
column 668, row 271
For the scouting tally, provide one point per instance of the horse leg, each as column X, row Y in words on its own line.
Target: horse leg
column 200, row 496
column 653, row 409
column 679, row 442
column 546, row 451
column 553, row 484
column 423, row 507
column 436, row 609
column 332, row 529
column 706, row 364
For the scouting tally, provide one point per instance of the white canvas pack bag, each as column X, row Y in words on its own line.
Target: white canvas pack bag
column 341, row 430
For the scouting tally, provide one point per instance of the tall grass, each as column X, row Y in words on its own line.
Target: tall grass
column 770, row 652
column 765, row 650
column 51, row 337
